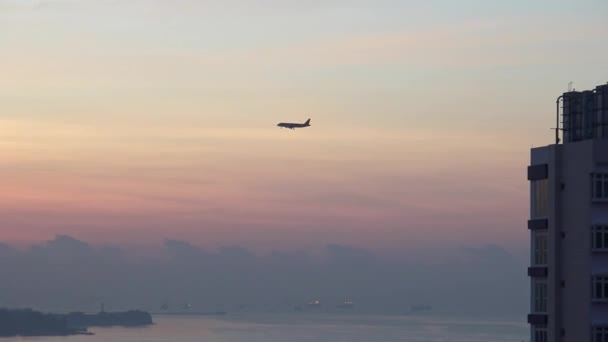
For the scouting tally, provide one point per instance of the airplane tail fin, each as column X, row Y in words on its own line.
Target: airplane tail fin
column 307, row 123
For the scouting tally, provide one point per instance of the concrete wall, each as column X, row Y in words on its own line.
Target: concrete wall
column 539, row 156
column 574, row 215
column 599, row 215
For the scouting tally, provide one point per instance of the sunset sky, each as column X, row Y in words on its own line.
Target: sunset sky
column 131, row 121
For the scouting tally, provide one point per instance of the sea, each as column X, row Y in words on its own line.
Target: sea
column 308, row 327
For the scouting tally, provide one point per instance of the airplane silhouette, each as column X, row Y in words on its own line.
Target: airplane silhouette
column 294, row 125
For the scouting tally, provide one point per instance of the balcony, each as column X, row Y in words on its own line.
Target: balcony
column 538, row 224
column 538, row 272
column 538, row 319
column 538, row 172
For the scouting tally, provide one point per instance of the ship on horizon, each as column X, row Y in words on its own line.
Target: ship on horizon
column 314, row 304
column 347, row 304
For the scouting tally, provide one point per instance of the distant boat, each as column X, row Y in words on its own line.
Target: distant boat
column 347, row 304
column 314, row 304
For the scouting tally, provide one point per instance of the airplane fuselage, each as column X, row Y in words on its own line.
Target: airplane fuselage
column 294, row 125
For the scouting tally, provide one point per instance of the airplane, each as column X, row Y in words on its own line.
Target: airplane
column 294, row 125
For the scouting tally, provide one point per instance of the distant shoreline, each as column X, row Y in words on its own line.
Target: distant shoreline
column 30, row 323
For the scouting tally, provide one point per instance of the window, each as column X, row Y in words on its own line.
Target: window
column 599, row 238
column 539, row 293
column 540, row 334
column 599, row 186
column 540, row 249
column 600, row 334
column 540, row 198
column 600, row 288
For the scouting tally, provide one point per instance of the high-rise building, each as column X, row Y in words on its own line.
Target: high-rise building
column 569, row 224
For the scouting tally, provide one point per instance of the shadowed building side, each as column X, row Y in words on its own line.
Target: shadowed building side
column 569, row 226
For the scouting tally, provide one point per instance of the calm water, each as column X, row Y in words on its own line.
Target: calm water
column 308, row 327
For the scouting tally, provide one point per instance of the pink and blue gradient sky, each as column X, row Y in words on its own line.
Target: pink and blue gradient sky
column 132, row 121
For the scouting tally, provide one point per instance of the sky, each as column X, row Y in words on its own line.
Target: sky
column 131, row 121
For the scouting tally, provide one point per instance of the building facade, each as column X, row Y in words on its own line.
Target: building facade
column 569, row 225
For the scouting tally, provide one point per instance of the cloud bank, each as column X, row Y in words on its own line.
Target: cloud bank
column 69, row 274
